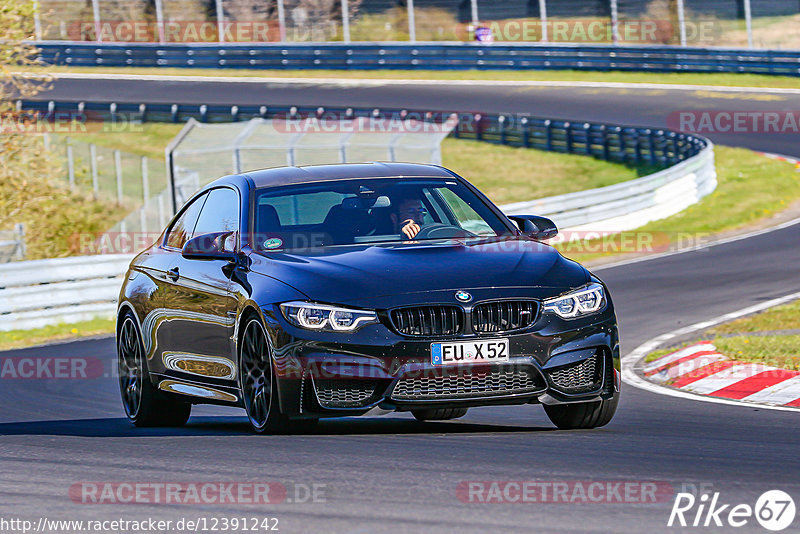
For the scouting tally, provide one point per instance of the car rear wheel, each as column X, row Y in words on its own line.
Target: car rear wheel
column 439, row 414
column 256, row 379
column 582, row 414
column 144, row 404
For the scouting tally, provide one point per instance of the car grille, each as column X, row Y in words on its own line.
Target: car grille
column 503, row 316
column 468, row 383
column 585, row 375
column 345, row 393
column 428, row 320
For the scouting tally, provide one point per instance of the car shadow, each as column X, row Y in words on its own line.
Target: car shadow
column 226, row 426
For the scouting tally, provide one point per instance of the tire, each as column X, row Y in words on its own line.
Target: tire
column 145, row 406
column 439, row 414
column 583, row 414
column 257, row 380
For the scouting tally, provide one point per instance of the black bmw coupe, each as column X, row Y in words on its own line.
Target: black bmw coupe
column 326, row 291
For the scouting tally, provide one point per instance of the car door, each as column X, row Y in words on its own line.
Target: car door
column 199, row 304
column 158, row 263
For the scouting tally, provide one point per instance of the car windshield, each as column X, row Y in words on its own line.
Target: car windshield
column 363, row 211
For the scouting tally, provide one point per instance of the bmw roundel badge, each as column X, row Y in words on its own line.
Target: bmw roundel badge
column 463, row 296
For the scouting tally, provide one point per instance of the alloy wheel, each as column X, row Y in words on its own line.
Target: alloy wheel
column 255, row 373
column 129, row 356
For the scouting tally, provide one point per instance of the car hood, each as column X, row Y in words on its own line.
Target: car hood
column 369, row 275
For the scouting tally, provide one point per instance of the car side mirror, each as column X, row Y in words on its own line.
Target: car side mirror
column 539, row 228
column 208, row 247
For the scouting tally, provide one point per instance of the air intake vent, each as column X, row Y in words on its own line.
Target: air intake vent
column 346, row 393
column 425, row 321
column 468, row 383
column 579, row 377
column 503, row 316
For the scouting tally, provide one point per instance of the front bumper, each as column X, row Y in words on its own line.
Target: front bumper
column 554, row 361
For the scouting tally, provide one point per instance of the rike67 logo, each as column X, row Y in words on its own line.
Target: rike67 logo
column 774, row 510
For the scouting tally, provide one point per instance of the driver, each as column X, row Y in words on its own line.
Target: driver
column 408, row 217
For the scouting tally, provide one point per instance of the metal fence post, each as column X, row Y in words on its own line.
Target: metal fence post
column 345, row 22
column 160, row 21
column 220, row 21
column 412, row 30
column 19, row 229
column 526, row 132
column 145, row 182
column 614, row 22
column 281, row 21
column 37, row 21
column 118, row 168
column 161, row 221
column 96, row 15
column 548, row 135
column 682, row 22
column 93, row 157
column 748, row 19
column 70, row 165
column 587, row 132
column 474, row 9
column 543, row 18
column 502, row 124
column 568, row 137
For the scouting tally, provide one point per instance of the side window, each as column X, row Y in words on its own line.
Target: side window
column 467, row 218
column 220, row 214
column 182, row 230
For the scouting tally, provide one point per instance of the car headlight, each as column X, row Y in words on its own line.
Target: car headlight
column 325, row 317
column 577, row 303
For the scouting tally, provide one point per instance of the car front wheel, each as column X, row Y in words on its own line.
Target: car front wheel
column 256, row 379
column 582, row 414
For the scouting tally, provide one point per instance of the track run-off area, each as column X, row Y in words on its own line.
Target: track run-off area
column 391, row 473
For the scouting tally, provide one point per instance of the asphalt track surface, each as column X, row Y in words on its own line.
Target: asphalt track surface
column 390, row 473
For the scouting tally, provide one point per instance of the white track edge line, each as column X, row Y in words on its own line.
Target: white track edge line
column 631, row 359
column 379, row 81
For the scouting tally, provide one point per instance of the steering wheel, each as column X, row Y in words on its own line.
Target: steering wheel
column 442, row 231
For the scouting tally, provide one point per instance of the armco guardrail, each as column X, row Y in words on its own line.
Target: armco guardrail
column 41, row 292
column 631, row 204
column 652, row 146
column 433, row 55
column 74, row 289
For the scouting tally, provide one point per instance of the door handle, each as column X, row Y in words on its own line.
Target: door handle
column 173, row 274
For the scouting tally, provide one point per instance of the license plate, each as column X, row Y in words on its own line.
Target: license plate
column 458, row 352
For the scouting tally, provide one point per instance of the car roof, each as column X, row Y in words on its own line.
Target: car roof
column 343, row 171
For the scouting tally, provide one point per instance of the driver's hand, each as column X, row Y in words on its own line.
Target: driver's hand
column 410, row 228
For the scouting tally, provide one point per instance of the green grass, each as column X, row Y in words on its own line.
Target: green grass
column 717, row 79
column 147, row 139
column 778, row 351
column 785, row 317
column 15, row 339
column 750, row 188
column 732, row 339
column 507, row 174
